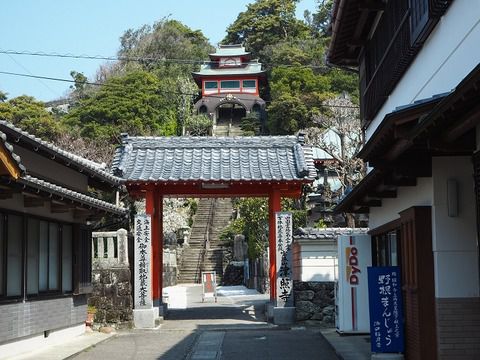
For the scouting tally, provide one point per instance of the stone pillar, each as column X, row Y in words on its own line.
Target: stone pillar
column 122, row 243
column 144, row 314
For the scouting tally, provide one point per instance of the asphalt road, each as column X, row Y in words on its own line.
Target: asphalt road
column 231, row 329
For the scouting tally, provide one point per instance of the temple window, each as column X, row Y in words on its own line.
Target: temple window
column 249, row 84
column 230, row 84
column 211, row 85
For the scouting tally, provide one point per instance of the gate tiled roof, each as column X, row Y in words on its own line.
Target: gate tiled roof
column 257, row 159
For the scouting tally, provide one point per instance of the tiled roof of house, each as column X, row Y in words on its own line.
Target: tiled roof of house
column 261, row 158
column 209, row 69
column 326, row 233
column 230, row 50
column 74, row 196
column 90, row 167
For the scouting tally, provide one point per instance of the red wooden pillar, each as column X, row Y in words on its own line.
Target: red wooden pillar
column 274, row 205
column 154, row 207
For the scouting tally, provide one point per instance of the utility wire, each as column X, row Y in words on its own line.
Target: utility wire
column 28, row 71
column 139, row 59
column 155, row 91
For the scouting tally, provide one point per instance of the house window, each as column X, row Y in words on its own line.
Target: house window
column 33, row 258
column 67, row 258
column 385, row 249
column 209, row 85
column 43, row 256
column 251, row 84
column 14, row 255
column 230, row 84
column 48, row 263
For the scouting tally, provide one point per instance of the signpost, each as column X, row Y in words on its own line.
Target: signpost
column 209, row 285
column 386, row 318
column 284, row 259
column 144, row 313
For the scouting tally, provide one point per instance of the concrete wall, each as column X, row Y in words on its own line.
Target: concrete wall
column 448, row 55
column 455, row 246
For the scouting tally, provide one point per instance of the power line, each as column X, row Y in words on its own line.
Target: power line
column 155, row 91
column 28, row 71
column 137, row 58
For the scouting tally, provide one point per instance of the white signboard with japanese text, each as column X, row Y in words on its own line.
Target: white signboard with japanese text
column 143, row 262
column 284, row 237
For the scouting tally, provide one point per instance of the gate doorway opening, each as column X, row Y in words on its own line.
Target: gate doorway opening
column 153, row 168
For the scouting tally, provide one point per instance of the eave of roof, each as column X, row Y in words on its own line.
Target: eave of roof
column 91, row 168
column 35, row 185
column 453, row 116
column 230, row 50
column 384, row 135
column 351, row 25
column 467, row 90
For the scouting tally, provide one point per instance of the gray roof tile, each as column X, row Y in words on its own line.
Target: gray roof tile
column 9, row 148
column 268, row 158
column 326, row 233
column 48, row 187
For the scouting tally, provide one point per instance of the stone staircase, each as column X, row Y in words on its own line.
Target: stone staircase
column 224, row 129
column 212, row 216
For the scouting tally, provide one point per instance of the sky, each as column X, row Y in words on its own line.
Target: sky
column 92, row 27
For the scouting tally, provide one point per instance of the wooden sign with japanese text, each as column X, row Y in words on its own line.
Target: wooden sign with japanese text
column 283, row 225
column 143, row 262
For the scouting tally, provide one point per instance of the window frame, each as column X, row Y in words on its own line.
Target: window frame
column 249, row 87
column 230, row 88
column 210, row 82
column 40, row 294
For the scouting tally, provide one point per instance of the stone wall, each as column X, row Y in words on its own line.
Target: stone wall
column 315, row 302
column 112, row 295
column 170, row 269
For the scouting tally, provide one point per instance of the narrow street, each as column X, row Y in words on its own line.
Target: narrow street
column 233, row 328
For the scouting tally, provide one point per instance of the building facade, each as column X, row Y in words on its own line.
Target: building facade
column 45, row 240
column 230, row 85
column 419, row 70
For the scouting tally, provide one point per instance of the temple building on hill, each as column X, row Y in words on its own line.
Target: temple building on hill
column 230, row 84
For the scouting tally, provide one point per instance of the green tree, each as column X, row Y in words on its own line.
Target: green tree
column 30, row 115
column 166, row 40
column 3, row 96
column 253, row 222
column 138, row 103
column 198, row 125
column 266, row 22
column 80, row 85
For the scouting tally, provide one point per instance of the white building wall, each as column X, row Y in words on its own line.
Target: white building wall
column 408, row 196
column 449, row 54
column 455, row 245
column 314, row 260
